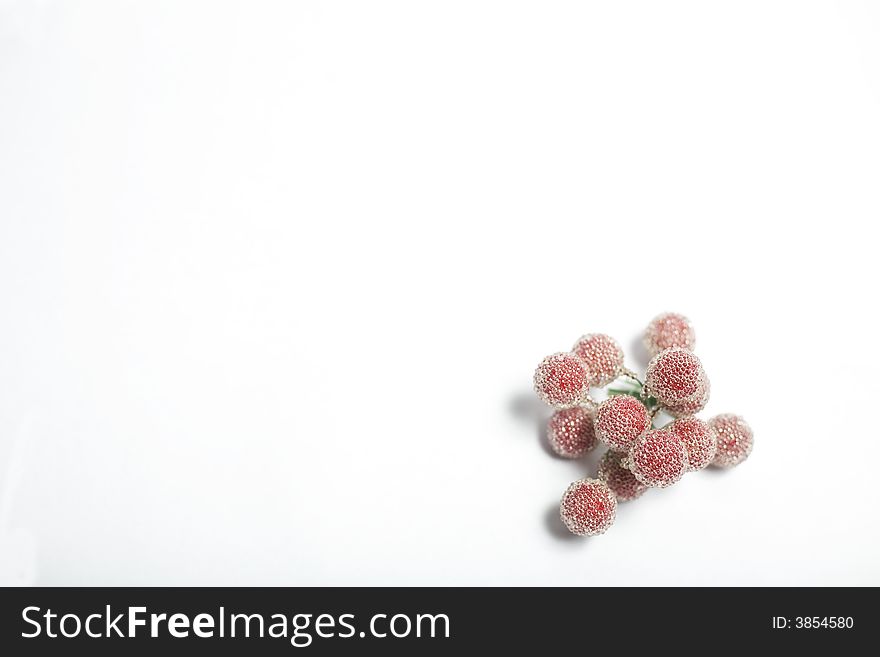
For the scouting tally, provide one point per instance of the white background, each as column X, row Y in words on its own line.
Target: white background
column 274, row 278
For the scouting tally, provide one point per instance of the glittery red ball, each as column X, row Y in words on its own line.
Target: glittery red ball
column 669, row 330
column 588, row 507
column 692, row 407
column 562, row 380
column 698, row 439
column 570, row 432
column 675, row 376
column 621, row 481
column 603, row 357
column 735, row 440
column 658, row 459
column 620, row 420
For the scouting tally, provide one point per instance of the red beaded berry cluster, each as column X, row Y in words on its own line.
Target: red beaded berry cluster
column 641, row 454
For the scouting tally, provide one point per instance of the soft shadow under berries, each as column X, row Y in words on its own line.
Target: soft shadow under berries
column 556, row 527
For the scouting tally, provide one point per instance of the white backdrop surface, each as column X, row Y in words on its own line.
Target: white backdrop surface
column 274, row 278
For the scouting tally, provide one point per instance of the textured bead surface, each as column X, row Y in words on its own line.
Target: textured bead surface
column 621, row 481
column 603, row 357
column 692, row 407
column 657, row 459
column 588, row 507
column 675, row 376
column 735, row 440
column 562, row 380
column 571, row 432
column 669, row 330
column 698, row 439
column 620, row 420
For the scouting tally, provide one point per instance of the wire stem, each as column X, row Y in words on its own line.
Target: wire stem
column 628, row 373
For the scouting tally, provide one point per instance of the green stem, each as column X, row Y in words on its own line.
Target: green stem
column 637, row 392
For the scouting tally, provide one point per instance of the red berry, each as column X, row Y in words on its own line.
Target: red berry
column 698, row 439
column 620, row 420
column 562, row 380
column 735, row 440
column 675, row 376
column 588, row 507
column 603, row 357
column 570, row 432
column 621, row 481
column 669, row 330
column 692, row 407
column 658, row 459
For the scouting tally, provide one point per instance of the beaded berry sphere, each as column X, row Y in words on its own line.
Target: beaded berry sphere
column 698, row 439
column 603, row 357
column 669, row 330
column 571, row 433
column 620, row 420
column 588, row 507
column 735, row 440
column 675, row 376
column 658, row 459
column 621, row 481
column 692, row 407
column 562, row 380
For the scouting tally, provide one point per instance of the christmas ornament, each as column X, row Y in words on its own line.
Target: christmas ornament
column 620, row 420
column 588, row 507
column 657, row 459
column 603, row 356
column 734, row 438
column 698, row 439
column 620, row 480
column 571, row 432
column 643, row 452
column 669, row 330
column 675, row 376
column 562, row 380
